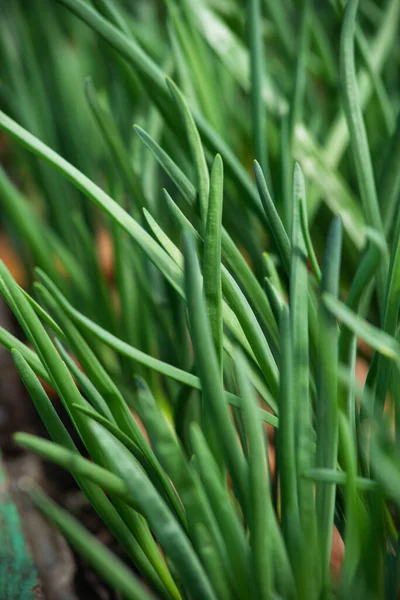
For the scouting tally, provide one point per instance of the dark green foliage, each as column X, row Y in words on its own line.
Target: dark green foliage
column 235, row 298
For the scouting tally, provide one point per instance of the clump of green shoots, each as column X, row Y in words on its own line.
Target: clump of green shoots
column 227, row 437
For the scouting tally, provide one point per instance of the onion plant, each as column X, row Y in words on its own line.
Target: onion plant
column 212, row 381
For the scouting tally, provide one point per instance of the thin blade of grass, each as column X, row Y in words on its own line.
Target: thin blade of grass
column 228, row 522
column 10, row 342
column 329, row 184
column 286, row 170
column 354, row 507
column 274, row 298
column 389, row 180
column 207, row 366
column 113, row 14
column 327, row 409
column 324, row 46
column 195, row 54
column 390, row 318
column 306, row 575
column 385, row 466
column 164, row 240
column 259, row 497
column 183, row 75
column 249, row 282
column 183, row 184
column 275, row 225
column 296, row 107
column 252, row 329
column 290, row 517
column 212, row 257
column 44, row 316
column 378, row 85
column 340, row 478
column 358, row 137
column 307, row 238
column 278, row 13
column 379, row 340
column 90, row 392
column 43, row 405
column 259, row 121
column 76, row 464
column 347, row 341
column 196, row 148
